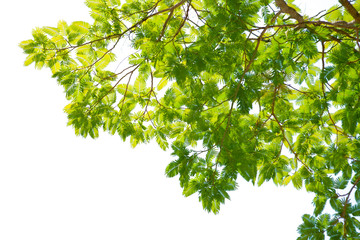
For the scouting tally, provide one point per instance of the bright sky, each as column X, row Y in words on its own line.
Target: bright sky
column 54, row 185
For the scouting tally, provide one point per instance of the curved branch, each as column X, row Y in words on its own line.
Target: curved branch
column 291, row 11
column 117, row 83
column 343, row 213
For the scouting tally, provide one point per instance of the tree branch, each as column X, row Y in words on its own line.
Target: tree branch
column 350, row 9
column 343, row 213
column 165, row 24
column 291, row 11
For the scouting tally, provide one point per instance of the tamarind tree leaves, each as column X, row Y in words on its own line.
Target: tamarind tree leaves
column 252, row 88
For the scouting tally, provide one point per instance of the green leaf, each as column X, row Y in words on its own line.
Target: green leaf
column 63, row 27
column 334, row 14
column 93, row 4
column 191, row 188
column 162, row 141
column 114, row 2
column 336, row 204
column 172, row 169
column 51, row 31
column 140, row 84
column 163, row 82
column 104, row 58
column 80, row 27
column 29, row 59
column 319, row 202
column 297, row 180
column 287, row 180
column 357, row 195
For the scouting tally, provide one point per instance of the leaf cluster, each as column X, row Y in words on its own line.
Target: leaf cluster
column 251, row 89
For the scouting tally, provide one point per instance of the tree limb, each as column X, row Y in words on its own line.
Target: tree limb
column 291, row 11
column 350, row 9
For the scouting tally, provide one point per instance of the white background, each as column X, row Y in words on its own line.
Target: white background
column 54, row 185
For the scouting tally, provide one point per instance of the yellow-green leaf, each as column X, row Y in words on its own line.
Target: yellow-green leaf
column 29, row 59
column 80, row 27
column 62, row 26
column 50, row 31
column 163, row 82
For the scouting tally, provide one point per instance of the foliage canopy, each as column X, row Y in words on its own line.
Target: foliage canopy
column 250, row 88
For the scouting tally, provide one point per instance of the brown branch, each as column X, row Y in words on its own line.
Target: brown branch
column 357, row 39
column 342, row 32
column 350, row 9
column 113, row 75
column 291, row 11
column 86, row 43
column 170, row 8
column 339, row 24
column 97, row 60
column 161, row 105
column 346, row 203
column 217, row 105
column 97, row 102
column 182, row 24
column 198, row 15
column 283, row 132
column 348, row 196
column 257, row 127
column 149, row 93
column 165, row 24
column 327, row 13
column 306, row 93
column 143, row 11
column 291, row 148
